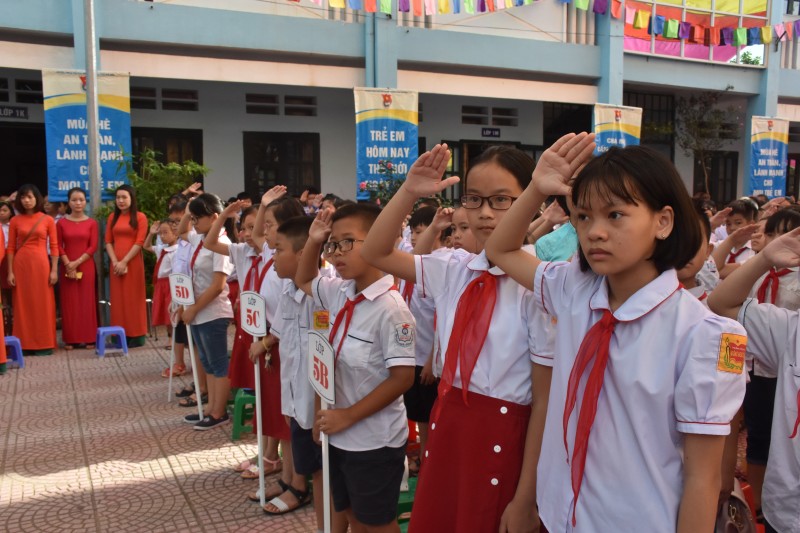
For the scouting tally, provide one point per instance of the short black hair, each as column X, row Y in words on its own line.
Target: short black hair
column 366, row 213
column 514, row 160
column 746, row 207
column 637, row 174
column 244, row 195
column 296, row 230
column 422, row 217
column 29, row 188
column 178, row 207
column 782, row 221
column 285, row 208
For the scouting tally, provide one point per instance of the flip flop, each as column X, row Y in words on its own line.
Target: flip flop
column 303, row 499
column 244, row 465
column 256, row 496
column 189, row 401
column 252, row 471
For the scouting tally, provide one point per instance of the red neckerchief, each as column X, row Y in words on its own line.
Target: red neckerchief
column 797, row 421
column 595, row 346
column 772, row 278
column 468, row 335
column 158, row 263
column 733, row 255
column 194, row 256
column 703, row 296
column 346, row 314
column 408, row 292
column 254, row 276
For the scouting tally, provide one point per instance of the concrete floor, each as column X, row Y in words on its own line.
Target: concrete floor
column 91, row 444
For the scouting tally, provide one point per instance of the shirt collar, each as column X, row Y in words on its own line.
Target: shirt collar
column 643, row 301
column 290, row 289
column 373, row 291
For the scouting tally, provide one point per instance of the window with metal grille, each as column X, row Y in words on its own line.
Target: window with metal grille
column 262, row 104
column 179, row 100
column 28, row 91
column 471, row 114
column 505, row 116
column 4, row 94
column 144, row 98
column 559, row 119
column 658, row 115
column 300, row 106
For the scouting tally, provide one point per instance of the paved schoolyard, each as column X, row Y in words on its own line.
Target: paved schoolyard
column 92, row 445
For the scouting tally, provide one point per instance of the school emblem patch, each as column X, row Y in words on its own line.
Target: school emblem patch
column 321, row 319
column 404, row 334
column 732, row 350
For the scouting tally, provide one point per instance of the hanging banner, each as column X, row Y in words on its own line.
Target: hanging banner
column 66, row 133
column 769, row 142
column 616, row 126
column 386, row 137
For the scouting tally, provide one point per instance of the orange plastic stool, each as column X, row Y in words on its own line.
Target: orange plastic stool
column 412, row 431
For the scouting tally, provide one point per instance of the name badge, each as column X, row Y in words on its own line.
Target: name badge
column 321, row 319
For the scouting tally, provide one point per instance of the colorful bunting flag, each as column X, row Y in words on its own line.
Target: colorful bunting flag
column 740, row 36
column 370, row 6
column 469, row 7
column 780, row 33
column 404, row 6
column 685, row 30
column 671, row 29
column 600, row 7
column 616, row 9
column 386, row 6
column 698, row 34
column 642, row 20
column 417, row 6
column 753, row 36
column 712, row 36
column 788, row 27
column 444, row 7
column 656, row 26
column 630, row 14
column 353, row 4
column 766, row 34
column 430, row 7
column 726, row 36
column 456, row 7
column 481, row 6
column 336, row 3
column 582, row 4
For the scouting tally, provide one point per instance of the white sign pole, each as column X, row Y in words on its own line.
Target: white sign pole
column 182, row 291
column 171, row 366
column 321, row 363
column 197, row 392
column 253, row 313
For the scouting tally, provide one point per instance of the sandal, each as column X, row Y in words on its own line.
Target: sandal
column 185, row 392
column 256, row 496
column 244, row 465
column 191, row 401
column 177, row 370
column 68, row 347
column 271, row 467
column 303, row 499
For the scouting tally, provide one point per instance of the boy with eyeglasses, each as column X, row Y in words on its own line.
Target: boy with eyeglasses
column 372, row 334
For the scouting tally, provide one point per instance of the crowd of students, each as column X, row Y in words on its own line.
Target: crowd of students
column 578, row 340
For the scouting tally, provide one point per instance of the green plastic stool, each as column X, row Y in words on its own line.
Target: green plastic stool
column 244, row 405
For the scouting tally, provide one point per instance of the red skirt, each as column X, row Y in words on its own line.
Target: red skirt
column 274, row 422
column 472, row 464
column 4, row 275
column 240, row 370
column 233, row 296
column 161, row 301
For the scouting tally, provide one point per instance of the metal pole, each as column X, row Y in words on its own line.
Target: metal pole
column 92, row 118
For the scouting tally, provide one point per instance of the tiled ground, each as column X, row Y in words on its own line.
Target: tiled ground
column 92, row 445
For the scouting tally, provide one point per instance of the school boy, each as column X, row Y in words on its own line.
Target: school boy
column 372, row 335
column 774, row 342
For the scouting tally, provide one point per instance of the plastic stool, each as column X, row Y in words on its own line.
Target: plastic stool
column 15, row 351
column 110, row 331
column 244, row 406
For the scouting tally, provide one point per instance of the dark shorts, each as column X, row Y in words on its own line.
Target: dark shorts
column 759, row 401
column 211, row 339
column 419, row 399
column 306, row 454
column 180, row 333
column 368, row 482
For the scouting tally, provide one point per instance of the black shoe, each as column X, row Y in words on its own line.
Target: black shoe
column 210, row 422
column 192, row 419
column 186, row 391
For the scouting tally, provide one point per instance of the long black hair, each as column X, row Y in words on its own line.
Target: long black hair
column 69, row 196
column 133, row 211
column 26, row 189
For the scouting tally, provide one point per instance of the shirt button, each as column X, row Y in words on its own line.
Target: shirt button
column 426, row 453
column 433, row 426
column 504, row 409
column 497, row 449
column 495, row 481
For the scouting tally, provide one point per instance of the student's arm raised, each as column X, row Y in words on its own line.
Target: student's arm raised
column 551, row 177
column 427, row 239
column 148, row 241
column 737, row 239
column 258, row 229
column 308, row 267
column 423, row 179
column 211, row 241
column 728, row 296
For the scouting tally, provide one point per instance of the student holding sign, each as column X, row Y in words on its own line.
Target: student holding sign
column 212, row 312
column 372, row 334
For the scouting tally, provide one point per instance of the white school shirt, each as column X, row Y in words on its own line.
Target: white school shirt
column 242, row 255
column 297, row 315
column 206, row 264
column 166, row 264
column 272, row 287
column 788, row 298
column 381, row 336
column 518, row 333
column 661, row 381
column 183, row 255
column 708, row 276
column 747, row 252
column 774, row 341
column 423, row 311
column 5, row 232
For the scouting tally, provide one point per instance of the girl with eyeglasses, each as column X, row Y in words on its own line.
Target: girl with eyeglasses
column 125, row 233
column 490, row 333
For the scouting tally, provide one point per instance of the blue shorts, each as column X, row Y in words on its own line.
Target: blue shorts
column 212, row 346
column 306, row 454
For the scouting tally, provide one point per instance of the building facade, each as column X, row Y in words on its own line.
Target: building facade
column 260, row 91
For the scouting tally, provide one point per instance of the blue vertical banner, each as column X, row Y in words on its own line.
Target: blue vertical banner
column 386, row 137
column 769, row 143
column 66, row 132
column 616, row 126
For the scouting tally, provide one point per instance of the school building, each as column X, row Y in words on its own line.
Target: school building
column 261, row 91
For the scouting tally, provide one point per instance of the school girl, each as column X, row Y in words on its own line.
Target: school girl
column 490, row 331
column 165, row 253
column 645, row 380
column 774, row 343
